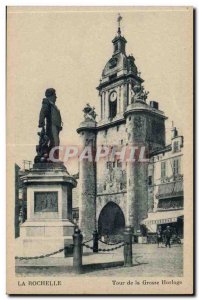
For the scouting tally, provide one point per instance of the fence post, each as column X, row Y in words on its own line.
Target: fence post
column 95, row 241
column 128, row 259
column 77, row 251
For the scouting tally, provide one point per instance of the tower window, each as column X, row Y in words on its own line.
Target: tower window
column 112, row 77
column 163, row 169
column 175, row 147
column 113, row 109
column 116, row 47
column 150, row 180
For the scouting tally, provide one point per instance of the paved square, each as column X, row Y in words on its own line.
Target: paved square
column 148, row 260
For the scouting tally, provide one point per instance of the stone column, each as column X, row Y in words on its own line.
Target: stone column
column 125, row 95
column 118, row 101
column 87, row 180
column 106, row 104
column 119, row 98
column 102, row 107
column 129, row 94
column 122, row 98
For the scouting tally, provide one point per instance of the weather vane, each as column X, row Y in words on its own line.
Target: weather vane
column 119, row 18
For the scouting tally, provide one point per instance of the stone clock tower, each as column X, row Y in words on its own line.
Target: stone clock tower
column 116, row 194
column 118, row 78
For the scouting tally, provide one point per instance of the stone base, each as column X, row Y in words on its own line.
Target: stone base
column 49, row 166
column 49, row 209
column 40, row 238
column 47, row 246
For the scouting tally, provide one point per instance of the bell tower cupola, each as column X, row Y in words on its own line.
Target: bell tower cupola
column 118, row 78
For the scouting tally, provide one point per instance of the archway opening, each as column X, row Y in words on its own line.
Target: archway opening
column 111, row 220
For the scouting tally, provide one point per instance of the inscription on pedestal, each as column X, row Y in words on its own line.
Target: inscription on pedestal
column 46, row 202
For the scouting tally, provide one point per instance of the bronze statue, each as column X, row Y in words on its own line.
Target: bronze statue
column 51, row 123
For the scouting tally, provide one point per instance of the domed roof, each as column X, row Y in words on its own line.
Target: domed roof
column 119, row 62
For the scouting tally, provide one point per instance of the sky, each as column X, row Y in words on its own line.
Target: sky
column 67, row 49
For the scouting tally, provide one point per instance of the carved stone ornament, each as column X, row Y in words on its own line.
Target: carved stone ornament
column 140, row 93
column 89, row 113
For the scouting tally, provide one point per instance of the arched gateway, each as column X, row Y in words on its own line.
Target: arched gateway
column 111, row 220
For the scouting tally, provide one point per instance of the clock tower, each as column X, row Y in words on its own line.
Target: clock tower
column 118, row 78
column 113, row 191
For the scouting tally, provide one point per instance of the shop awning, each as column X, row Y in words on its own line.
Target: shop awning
column 171, row 189
column 163, row 217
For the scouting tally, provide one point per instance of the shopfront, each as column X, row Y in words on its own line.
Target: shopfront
column 162, row 219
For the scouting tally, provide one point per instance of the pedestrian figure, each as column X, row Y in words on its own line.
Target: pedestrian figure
column 159, row 236
column 168, row 235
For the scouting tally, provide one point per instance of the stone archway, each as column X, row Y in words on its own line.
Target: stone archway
column 111, row 220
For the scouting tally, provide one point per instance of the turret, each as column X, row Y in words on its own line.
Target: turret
column 87, row 172
column 146, row 131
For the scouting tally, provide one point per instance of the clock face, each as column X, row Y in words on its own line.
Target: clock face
column 113, row 96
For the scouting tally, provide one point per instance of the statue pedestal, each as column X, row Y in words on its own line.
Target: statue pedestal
column 48, row 227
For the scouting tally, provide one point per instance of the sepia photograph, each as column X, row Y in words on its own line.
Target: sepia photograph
column 99, row 150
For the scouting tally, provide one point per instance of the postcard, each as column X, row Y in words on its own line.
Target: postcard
column 100, row 150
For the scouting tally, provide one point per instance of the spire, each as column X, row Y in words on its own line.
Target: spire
column 119, row 19
column 119, row 41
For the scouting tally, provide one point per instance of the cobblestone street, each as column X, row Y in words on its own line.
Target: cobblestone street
column 148, row 260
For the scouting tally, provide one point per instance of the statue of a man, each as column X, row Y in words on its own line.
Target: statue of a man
column 50, row 119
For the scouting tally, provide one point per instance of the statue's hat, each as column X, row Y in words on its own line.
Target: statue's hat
column 50, row 92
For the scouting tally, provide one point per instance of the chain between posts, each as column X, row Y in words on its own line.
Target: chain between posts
column 105, row 250
column 43, row 256
column 71, row 245
column 111, row 244
column 88, row 241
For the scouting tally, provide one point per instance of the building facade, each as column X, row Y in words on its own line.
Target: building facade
column 165, row 187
